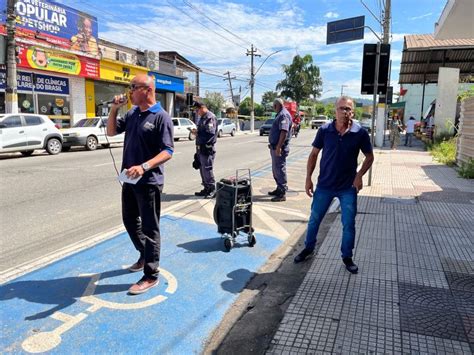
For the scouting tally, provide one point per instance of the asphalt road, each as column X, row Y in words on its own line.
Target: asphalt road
column 49, row 202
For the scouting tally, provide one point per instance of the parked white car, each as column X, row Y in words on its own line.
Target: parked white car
column 225, row 126
column 22, row 132
column 182, row 128
column 89, row 133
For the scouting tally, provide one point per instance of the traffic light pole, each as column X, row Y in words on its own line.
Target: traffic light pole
column 374, row 107
column 11, row 97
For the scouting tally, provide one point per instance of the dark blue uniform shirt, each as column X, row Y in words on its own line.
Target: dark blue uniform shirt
column 146, row 135
column 338, row 166
column 282, row 123
column 207, row 129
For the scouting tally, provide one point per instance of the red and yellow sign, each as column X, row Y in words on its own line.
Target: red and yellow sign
column 36, row 57
column 119, row 72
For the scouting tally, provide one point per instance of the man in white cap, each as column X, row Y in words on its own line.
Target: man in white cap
column 279, row 139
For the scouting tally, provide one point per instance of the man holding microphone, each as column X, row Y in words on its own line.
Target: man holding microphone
column 148, row 145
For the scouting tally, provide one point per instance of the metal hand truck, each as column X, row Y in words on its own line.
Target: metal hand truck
column 233, row 209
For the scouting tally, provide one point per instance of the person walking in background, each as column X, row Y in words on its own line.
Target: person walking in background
column 206, row 138
column 148, row 145
column 395, row 129
column 410, row 131
column 340, row 141
column 279, row 145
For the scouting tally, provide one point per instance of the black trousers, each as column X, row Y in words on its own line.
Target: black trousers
column 141, row 205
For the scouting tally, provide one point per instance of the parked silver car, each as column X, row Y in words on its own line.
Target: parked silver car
column 89, row 133
column 24, row 133
column 225, row 126
column 182, row 128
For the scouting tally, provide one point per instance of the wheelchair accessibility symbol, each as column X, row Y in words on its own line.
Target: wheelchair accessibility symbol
column 46, row 341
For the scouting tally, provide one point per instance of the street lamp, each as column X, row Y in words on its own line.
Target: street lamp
column 342, row 89
column 252, row 82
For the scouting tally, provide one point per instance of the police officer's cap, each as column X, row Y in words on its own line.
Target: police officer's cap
column 198, row 104
column 278, row 101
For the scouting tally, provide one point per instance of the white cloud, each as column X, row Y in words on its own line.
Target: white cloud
column 331, row 14
column 421, row 16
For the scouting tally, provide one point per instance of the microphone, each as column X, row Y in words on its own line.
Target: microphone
column 122, row 99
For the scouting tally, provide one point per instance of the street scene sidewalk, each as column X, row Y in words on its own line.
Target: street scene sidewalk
column 414, row 292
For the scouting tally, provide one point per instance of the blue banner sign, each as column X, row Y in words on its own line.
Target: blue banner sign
column 42, row 83
column 168, row 83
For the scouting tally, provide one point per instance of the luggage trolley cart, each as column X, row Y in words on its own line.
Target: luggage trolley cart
column 233, row 209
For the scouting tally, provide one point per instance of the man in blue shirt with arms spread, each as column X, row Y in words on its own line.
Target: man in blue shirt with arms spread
column 148, row 145
column 340, row 141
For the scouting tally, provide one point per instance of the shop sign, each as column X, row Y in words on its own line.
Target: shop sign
column 118, row 72
column 60, row 62
column 43, row 21
column 168, row 83
column 43, row 83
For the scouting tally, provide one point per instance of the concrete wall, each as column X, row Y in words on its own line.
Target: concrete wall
column 77, row 87
column 465, row 148
column 446, row 99
column 413, row 99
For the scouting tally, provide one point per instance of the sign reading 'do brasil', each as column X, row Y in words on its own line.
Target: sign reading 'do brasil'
column 168, row 83
column 42, row 83
column 60, row 62
column 43, row 21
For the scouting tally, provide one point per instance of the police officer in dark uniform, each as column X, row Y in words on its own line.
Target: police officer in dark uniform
column 279, row 139
column 206, row 137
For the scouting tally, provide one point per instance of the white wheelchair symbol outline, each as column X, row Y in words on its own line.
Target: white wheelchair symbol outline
column 45, row 341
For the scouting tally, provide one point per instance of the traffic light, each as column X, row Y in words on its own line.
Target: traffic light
column 189, row 99
column 368, row 69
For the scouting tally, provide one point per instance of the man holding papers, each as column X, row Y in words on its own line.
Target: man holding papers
column 148, row 144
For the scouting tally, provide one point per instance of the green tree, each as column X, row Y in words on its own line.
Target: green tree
column 244, row 108
column 302, row 79
column 215, row 102
column 267, row 99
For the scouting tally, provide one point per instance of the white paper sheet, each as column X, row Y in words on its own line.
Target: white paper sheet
column 124, row 178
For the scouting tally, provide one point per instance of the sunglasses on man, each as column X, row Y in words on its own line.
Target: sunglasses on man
column 132, row 87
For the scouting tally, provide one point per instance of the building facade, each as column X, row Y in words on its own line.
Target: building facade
column 68, row 77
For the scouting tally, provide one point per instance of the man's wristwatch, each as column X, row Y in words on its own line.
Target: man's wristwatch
column 145, row 166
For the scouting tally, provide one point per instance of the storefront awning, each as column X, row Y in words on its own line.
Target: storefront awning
column 397, row 105
column 423, row 55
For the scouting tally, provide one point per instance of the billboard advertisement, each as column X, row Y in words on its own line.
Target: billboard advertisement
column 36, row 57
column 47, row 22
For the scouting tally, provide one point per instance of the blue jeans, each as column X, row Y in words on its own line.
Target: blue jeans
column 321, row 200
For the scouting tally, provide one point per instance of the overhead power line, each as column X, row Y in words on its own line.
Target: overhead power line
column 204, row 25
column 215, row 22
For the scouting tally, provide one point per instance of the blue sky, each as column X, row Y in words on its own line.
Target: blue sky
column 215, row 35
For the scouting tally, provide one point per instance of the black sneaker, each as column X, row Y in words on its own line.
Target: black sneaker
column 279, row 198
column 273, row 193
column 350, row 266
column 203, row 192
column 303, row 255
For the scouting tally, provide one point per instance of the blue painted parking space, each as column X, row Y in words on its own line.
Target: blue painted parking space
column 80, row 304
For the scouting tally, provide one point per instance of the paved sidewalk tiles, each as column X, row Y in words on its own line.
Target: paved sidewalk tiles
column 414, row 292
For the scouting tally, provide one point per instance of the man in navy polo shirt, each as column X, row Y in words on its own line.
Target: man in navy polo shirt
column 340, row 141
column 148, row 144
column 279, row 144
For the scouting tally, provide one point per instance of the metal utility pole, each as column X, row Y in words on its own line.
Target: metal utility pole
column 252, row 54
column 11, row 98
column 381, row 115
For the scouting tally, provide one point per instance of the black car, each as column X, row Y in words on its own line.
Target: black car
column 265, row 128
